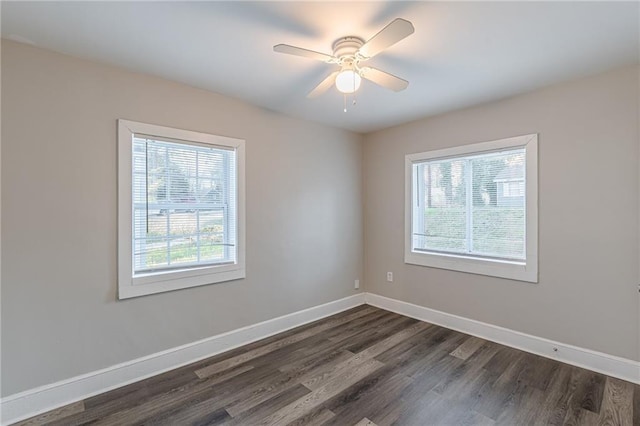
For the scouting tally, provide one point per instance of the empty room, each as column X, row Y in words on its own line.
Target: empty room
column 320, row 213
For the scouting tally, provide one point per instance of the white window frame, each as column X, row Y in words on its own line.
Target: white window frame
column 526, row 270
column 130, row 285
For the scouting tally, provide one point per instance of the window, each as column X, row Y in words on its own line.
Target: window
column 474, row 208
column 181, row 209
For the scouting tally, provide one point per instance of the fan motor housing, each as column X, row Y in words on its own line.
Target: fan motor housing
column 346, row 47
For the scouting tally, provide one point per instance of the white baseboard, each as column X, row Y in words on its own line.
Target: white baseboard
column 610, row 365
column 32, row 402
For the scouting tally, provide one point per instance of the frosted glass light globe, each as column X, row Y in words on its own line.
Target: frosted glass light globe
column 348, row 81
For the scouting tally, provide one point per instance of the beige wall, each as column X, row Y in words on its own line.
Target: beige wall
column 588, row 214
column 60, row 316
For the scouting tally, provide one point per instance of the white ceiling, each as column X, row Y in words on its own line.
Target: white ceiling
column 461, row 54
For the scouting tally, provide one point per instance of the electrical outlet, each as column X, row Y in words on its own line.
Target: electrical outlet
column 356, row 285
column 390, row 277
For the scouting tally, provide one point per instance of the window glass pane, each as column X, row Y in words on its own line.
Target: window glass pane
column 184, row 205
column 499, row 205
column 472, row 205
column 212, row 235
column 445, row 206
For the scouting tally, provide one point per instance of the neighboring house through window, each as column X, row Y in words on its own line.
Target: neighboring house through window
column 511, row 185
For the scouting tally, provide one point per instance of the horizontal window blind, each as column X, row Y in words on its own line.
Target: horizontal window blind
column 471, row 205
column 184, row 205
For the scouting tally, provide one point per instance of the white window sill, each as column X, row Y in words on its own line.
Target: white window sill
column 144, row 284
column 520, row 271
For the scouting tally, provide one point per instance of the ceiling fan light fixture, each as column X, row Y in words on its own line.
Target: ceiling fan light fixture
column 348, row 54
column 348, row 81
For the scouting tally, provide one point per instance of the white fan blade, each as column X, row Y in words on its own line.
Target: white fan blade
column 384, row 79
column 305, row 53
column 388, row 36
column 324, row 85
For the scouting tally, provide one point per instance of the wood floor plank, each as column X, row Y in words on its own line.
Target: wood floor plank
column 288, row 354
column 390, row 413
column 532, row 370
column 311, row 349
column 319, row 380
column 202, row 388
column 364, row 365
column 367, row 398
column 393, row 326
column 197, row 414
column 371, row 320
column 408, row 407
column 317, row 417
column 504, row 357
column 365, row 422
column 472, row 389
column 589, row 396
column 53, row 415
column 130, row 401
column 128, row 396
column 148, row 387
column 544, row 369
column 468, row 347
column 617, row 403
column 521, row 406
column 305, row 404
column 205, row 404
column 432, row 350
column 392, row 340
column 288, row 379
column 418, row 342
column 352, row 329
column 502, row 389
column 440, row 367
column 316, row 381
column 371, row 332
column 577, row 416
column 337, row 344
column 327, row 352
column 468, row 372
column 268, row 406
column 262, row 350
column 158, row 407
column 462, row 416
column 559, row 395
column 429, row 409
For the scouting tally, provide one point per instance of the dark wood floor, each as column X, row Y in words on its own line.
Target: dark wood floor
column 361, row 367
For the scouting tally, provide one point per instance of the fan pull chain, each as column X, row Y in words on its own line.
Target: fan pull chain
column 353, row 102
column 354, row 89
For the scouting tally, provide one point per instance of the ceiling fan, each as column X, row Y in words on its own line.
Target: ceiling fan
column 348, row 54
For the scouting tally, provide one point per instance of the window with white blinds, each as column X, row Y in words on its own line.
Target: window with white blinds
column 183, row 208
column 473, row 205
column 184, row 203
